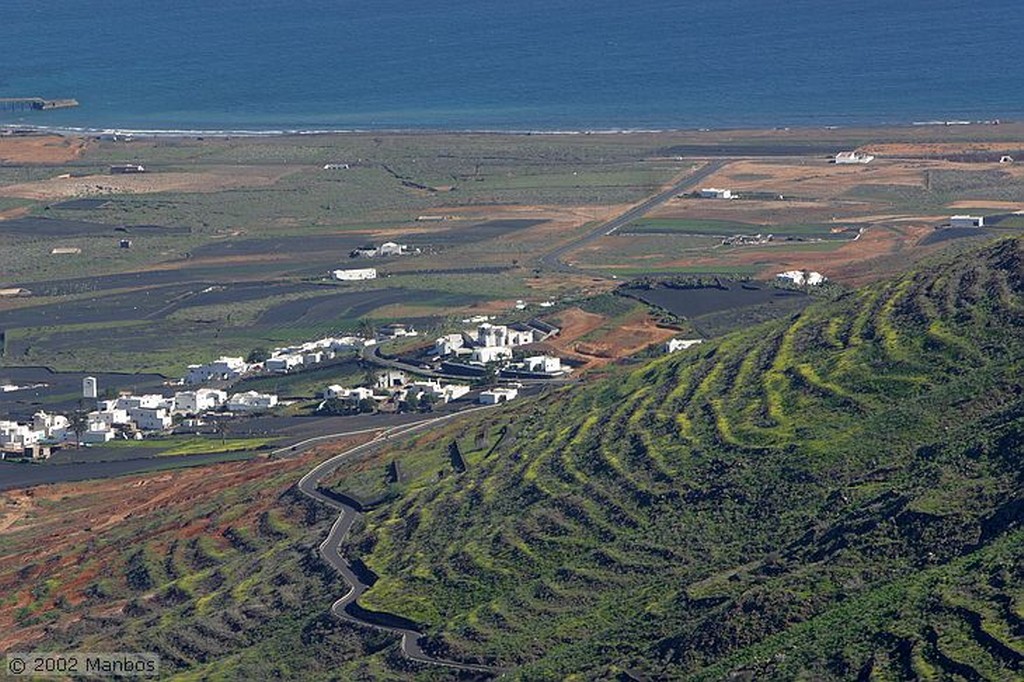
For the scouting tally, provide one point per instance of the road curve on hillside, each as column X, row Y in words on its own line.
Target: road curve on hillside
column 330, row 549
column 552, row 260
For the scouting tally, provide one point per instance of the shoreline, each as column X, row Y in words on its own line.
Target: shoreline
column 13, row 130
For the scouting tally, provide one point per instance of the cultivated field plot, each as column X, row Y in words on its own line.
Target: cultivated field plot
column 690, row 302
column 61, row 391
column 49, row 227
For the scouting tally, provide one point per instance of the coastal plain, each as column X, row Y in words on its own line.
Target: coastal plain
column 755, row 474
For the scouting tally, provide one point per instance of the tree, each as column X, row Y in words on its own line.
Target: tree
column 426, row 402
column 78, row 422
column 367, row 406
column 257, row 355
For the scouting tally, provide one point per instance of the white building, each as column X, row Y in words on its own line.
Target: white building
column 716, row 193
column 283, row 363
column 390, row 378
column 221, row 369
column 251, row 401
column 17, row 436
column 966, row 221
column 313, row 357
column 111, row 417
column 488, row 334
column 543, row 364
column 98, row 432
column 51, row 426
column 803, row 277
column 488, row 354
column 498, row 395
column 89, row 388
column 355, row 274
column 448, row 344
column 681, row 344
column 444, row 393
column 197, row 402
column 391, row 249
column 150, row 418
column 853, row 157
column 355, row 395
column 149, row 401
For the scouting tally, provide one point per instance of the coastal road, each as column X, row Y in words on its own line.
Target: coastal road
column 346, row 607
column 552, row 260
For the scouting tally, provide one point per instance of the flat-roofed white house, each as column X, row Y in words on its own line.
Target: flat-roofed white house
column 716, row 193
column 150, row 418
column 488, row 354
column 221, row 369
column 853, row 157
column 498, row 395
column 967, row 221
column 448, row 344
column 355, row 274
column 543, row 364
column 283, row 363
column 196, row 402
column 251, row 401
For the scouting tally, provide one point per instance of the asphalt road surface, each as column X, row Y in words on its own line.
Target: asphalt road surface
column 553, row 259
column 330, row 550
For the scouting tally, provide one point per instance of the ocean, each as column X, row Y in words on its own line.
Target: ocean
column 544, row 65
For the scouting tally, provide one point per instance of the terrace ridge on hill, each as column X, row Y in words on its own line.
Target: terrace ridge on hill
column 843, row 486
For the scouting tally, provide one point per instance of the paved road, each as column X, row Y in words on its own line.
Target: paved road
column 553, row 259
column 330, row 549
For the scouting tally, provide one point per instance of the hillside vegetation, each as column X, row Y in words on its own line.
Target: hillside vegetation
column 837, row 495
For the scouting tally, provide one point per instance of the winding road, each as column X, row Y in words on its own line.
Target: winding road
column 552, row 260
column 330, row 548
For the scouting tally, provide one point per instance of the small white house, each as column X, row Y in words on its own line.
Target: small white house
column 89, row 388
column 966, row 221
column 853, row 157
column 803, row 277
column 355, row 274
column 716, row 193
column 543, row 364
column 498, row 395
column 681, row 344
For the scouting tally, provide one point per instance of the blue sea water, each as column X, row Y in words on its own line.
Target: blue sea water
column 511, row 64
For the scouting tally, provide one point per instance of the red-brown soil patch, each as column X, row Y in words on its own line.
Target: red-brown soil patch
column 42, row 149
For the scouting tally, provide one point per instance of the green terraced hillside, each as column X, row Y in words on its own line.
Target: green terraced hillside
column 838, row 495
